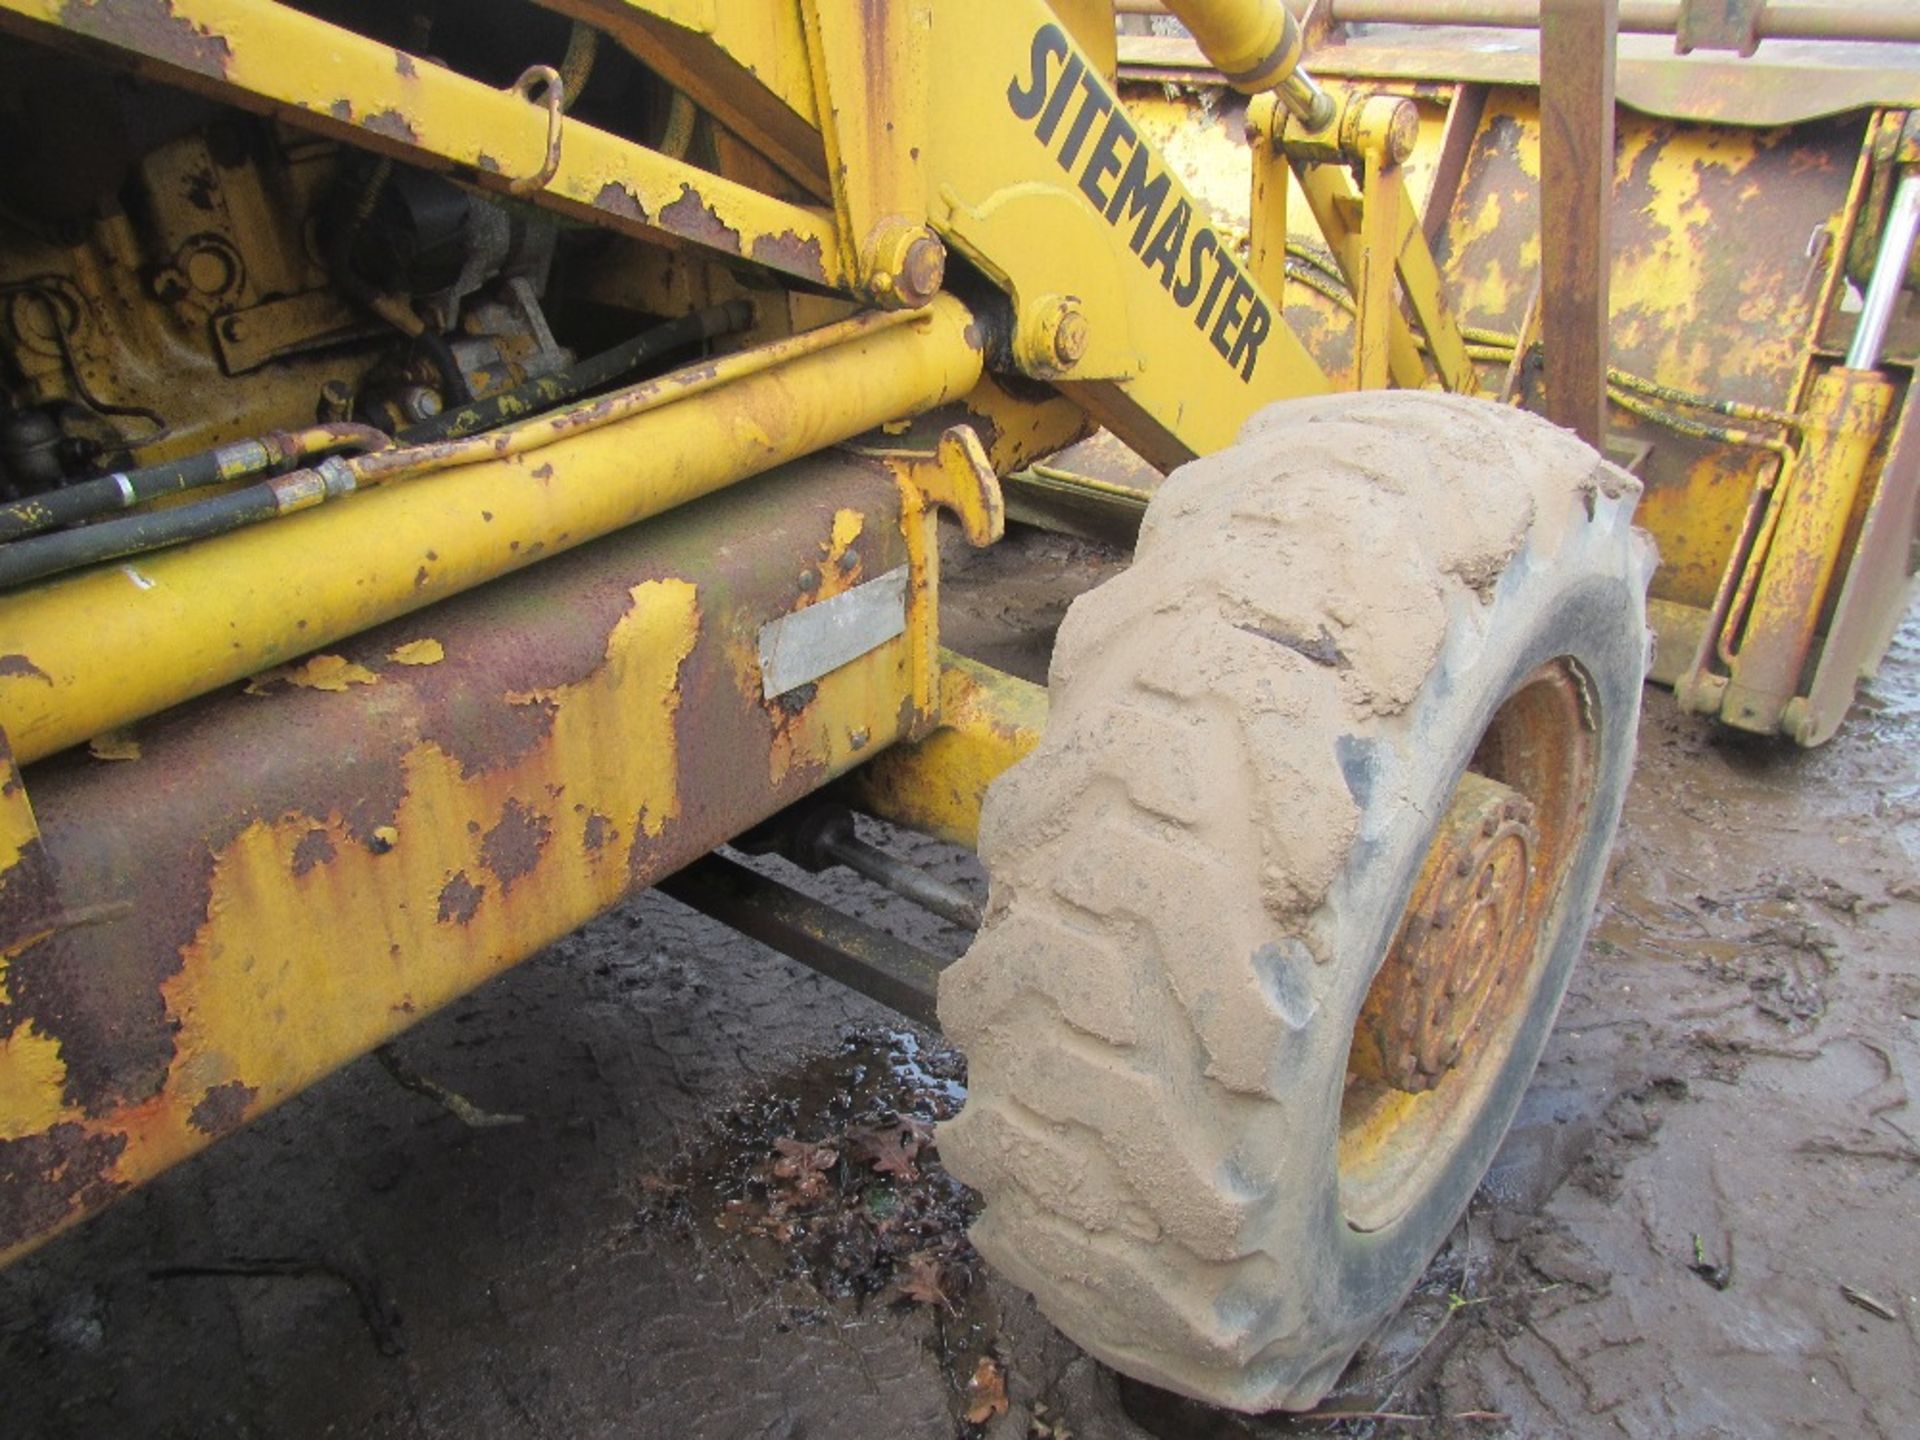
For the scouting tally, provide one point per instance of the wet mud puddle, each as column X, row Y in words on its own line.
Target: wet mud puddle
column 829, row 1186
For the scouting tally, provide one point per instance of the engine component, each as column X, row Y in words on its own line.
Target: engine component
column 30, row 459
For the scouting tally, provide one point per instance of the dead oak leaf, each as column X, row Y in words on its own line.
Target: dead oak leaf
column 986, row 1392
column 921, row 1282
column 800, row 1176
column 891, row 1149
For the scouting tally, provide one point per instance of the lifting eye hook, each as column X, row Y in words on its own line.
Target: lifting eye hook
column 546, row 80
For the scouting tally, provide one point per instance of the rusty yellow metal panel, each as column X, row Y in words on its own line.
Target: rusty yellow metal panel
column 289, row 874
column 1818, row 508
column 1723, row 240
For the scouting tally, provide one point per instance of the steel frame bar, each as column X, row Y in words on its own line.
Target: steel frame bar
column 900, row 975
column 270, row 58
column 744, row 64
column 989, row 721
column 1578, row 39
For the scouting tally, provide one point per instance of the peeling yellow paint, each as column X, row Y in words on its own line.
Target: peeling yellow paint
column 322, row 672
column 259, row 946
column 418, row 652
column 33, row 1078
column 114, row 745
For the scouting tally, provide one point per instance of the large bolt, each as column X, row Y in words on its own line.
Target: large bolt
column 1052, row 336
column 1388, row 124
column 905, row 263
column 1070, row 336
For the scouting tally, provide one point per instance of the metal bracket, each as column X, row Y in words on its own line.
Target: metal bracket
column 1718, row 25
column 870, row 83
column 1375, row 234
column 957, row 476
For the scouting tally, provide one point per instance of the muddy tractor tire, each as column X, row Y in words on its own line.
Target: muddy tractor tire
column 1284, row 904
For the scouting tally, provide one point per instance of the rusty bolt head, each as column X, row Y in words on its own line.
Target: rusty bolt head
column 1405, row 133
column 905, row 263
column 1070, row 336
column 1051, row 336
column 920, row 278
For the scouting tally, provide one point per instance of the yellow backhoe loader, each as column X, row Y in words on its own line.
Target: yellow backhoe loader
column 463, row 461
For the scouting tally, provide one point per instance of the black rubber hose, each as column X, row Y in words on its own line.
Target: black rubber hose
column 452, row 378
column 37, row 558
column 129, row 488
column 45, row 555
column 549, row 391
column 122, row 491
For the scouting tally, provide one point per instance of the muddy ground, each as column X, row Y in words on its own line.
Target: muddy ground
column 719, row 1212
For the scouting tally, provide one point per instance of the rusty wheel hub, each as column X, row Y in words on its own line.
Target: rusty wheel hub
column 1450, row 1001
column 1464, row 946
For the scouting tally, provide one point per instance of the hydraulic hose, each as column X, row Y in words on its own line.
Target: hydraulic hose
column 126, row 489
column 25, row 560
column 590, row 374
column 44, row 555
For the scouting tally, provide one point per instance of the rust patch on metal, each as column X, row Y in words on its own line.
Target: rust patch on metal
column 19, row 667
column 46, row 1177
column 100, row 991
column 787, row 251
column 512, row 847
column 157, row 840
column 223, row 1108
column 393, row 125
column 615, row 199
column 404, row 67
column 315, row 848
column 487, row 163
column 503, row 736
column 691, row 217
column 152, row 28
column 459, row 899
column 104, row 1008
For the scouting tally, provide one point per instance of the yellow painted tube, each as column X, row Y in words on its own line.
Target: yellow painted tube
column 1253, row 43
column 1256, row 45
column 99, row 650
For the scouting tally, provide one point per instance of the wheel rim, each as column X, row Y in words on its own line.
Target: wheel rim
column 1448, row 1004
